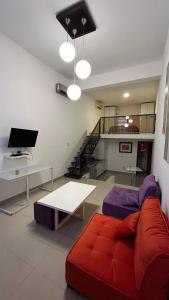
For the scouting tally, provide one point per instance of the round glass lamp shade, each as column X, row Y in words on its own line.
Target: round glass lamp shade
column 74, row 92
column 130, row 121
column 126, row 125
column 83, row 69
column 67, row 52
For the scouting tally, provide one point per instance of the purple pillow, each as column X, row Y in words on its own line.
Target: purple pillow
column 149, row 177
column 149, row 188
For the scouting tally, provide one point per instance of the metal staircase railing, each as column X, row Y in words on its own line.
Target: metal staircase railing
column 84, row 156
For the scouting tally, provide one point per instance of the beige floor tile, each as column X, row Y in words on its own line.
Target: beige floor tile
column 12, row 226
column 51, row 238
column 28, row 249
column 38, row 287
column 53, row 266
column 13, row 272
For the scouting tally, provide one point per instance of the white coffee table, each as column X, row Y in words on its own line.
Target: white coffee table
column 67, row 200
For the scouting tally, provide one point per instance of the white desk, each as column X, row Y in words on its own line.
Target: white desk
column 11, row 175
column 67, row 199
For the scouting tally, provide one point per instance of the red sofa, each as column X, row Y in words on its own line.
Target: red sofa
column 102, row 265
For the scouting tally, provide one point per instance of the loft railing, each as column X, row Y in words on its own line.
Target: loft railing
column 144, row 123
column 117, row 124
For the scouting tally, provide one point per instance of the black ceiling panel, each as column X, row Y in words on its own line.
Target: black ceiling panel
column 75, row 13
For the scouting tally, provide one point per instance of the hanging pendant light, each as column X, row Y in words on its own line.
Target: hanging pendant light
column 74, row 91
column 83, row 67
column 67, row 50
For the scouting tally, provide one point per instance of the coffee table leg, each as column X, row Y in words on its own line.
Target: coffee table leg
column 59, row 222
column 80, row 213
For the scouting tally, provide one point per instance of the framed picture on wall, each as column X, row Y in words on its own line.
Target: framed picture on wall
column 125, row 147
column 166, row 117
column 166, row 100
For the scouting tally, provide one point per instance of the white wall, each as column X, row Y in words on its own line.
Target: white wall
column 28, row 100
column 133, row 109
column 117, row 161
column 160, row 166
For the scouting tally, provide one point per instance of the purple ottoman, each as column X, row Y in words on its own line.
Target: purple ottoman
column 121, row 202
column 44, row 215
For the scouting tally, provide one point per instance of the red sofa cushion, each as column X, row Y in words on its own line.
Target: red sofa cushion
column 152, row 252
column 128, row 226
column 101, row 266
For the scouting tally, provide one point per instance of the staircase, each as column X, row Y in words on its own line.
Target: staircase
column 84, row 157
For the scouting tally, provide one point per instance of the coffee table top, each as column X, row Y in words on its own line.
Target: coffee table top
column 68, row 197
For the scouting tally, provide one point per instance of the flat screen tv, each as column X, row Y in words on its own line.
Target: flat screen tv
column 22, row 138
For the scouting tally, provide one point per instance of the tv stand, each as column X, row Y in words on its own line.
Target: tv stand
column 18, row 154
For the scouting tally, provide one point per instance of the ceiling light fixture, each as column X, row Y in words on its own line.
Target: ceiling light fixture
column 130, row 121
column 67, row 50
column 126, row 95
column 83, row 67
column 74, row 91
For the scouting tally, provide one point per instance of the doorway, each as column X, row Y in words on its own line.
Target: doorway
column 144, row 156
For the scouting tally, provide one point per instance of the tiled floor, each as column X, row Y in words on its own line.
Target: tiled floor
column 32, row 258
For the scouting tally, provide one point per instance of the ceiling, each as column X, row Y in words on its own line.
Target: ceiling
column 128, row 32
column 140, row 92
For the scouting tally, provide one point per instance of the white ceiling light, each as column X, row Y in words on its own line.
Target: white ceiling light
column 130, row 121
column 126, row 125
column 127, row 117
column 74, row 92
column 83, row 67
column 67, row 50
column 126, row 95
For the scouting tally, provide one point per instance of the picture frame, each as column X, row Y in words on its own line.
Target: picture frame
column 125, row 147
column 166, row 100
column 166, row 117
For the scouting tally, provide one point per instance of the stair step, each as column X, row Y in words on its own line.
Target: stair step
column 76, row 158
column 75, row 164
column 73, row 170
column 69, row 175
